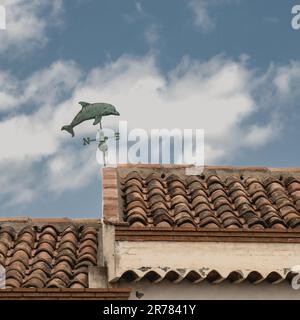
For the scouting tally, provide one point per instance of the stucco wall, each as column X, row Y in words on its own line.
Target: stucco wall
column 203, row 257
column 224, row 257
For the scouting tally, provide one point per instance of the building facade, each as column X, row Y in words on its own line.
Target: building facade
column 167, row 232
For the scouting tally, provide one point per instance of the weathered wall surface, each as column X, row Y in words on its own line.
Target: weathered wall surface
column 205, row 256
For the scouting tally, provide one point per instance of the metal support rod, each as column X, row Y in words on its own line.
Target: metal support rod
column 104, row 160
column 102, row 146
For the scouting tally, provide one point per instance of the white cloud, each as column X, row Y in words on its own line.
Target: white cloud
column 259, row 135
column 202, row 17
column 213, row 95
column 139, row 7
column 272, row 19
column 9, row 90
column 17, row 182
column 138, row 13
column 219, row 95
column 27, row 23
column 27, row 136
column 52, row 83
column 46, row 86
column 71, row 169
column 36, row 134
column 152, row 34
column 203, row 12
column 287, row 78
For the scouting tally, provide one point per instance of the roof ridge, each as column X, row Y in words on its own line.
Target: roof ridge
column 46, row 220
column 206, row 167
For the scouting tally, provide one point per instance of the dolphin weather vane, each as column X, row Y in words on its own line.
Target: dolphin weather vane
column 96, row 111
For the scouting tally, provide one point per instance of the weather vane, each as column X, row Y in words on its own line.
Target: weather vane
column 94, row 111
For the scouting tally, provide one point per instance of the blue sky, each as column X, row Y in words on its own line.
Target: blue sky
column 232, row 66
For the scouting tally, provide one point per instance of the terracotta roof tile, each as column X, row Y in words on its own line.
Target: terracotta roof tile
column 48, row 254
column 165, row 196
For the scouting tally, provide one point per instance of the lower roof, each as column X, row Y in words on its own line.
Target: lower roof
column 48, row 253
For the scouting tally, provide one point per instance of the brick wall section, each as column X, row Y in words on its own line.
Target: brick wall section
column 110, row 196
column 64, row 294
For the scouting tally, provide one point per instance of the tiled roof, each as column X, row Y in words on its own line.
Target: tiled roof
column 219, row 197
column 52, row 253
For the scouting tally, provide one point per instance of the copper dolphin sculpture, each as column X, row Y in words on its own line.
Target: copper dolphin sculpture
column 91, row 111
